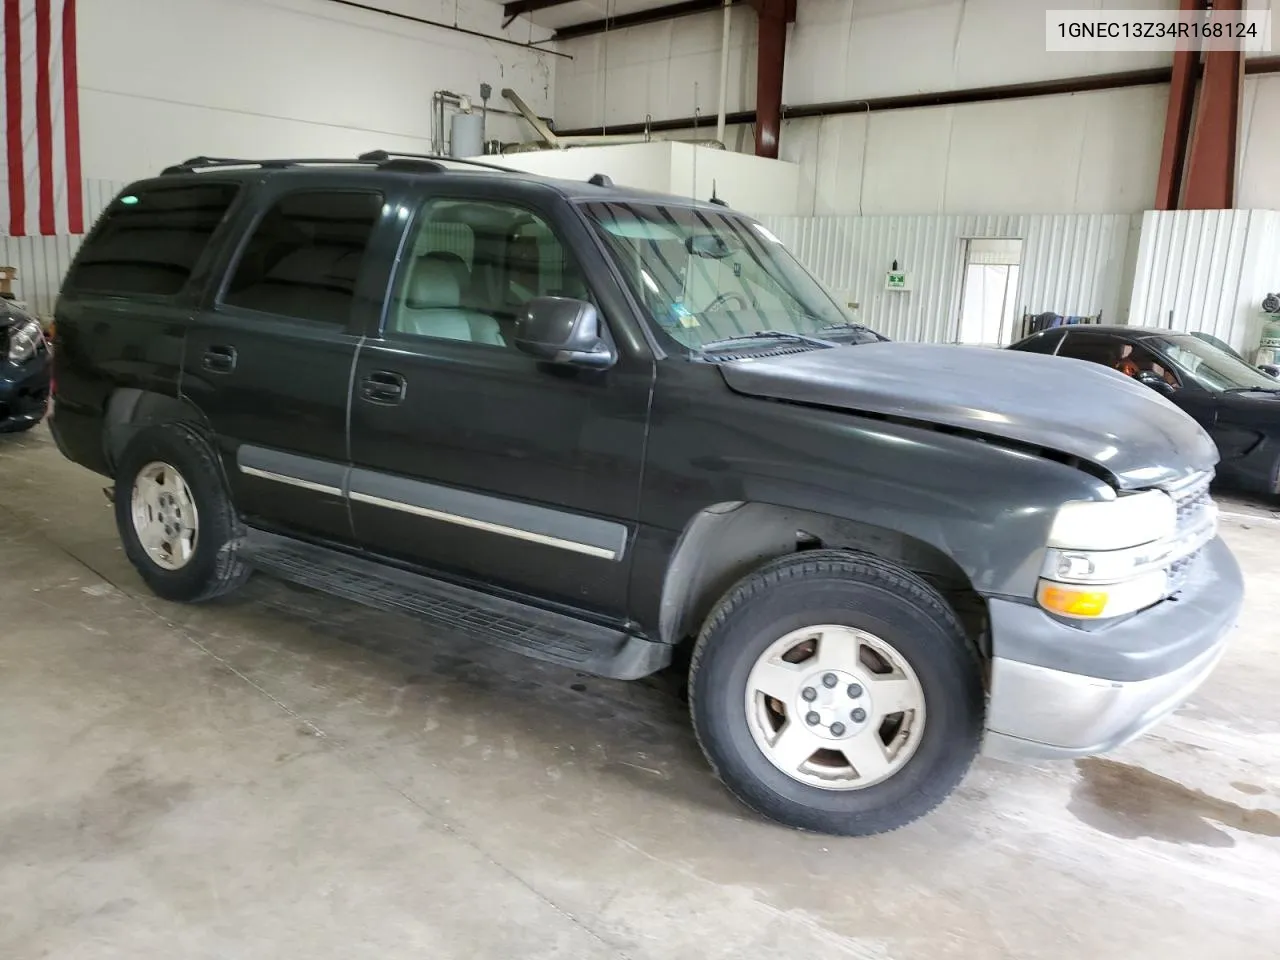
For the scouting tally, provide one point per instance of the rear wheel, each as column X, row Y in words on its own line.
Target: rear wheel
column 176, row 522
column 837, row 692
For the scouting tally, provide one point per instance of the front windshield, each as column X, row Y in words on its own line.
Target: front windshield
column 1211, row 367
column 704, row 277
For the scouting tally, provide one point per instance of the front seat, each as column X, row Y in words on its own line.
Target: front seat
column 432, row 307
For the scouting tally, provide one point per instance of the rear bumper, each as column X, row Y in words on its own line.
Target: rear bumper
column 1059, row 692
column 24, row 393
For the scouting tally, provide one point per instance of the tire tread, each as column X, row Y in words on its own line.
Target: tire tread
column 218, row 519
column 867, row 570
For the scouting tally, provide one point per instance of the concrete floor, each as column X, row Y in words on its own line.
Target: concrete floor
column 284, row 775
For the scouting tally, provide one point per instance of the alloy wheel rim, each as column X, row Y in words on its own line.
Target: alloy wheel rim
column 164, row 515
column 835, row 707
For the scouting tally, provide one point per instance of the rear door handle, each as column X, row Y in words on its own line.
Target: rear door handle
column 384, row 387
column 219, row 359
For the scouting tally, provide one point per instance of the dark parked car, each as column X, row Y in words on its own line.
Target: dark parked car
column 24, row 369
column 599, row 426
column 1237, row 404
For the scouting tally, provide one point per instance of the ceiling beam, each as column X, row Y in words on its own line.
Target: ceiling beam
column 639, row 18
column 518, row 8
column 909, row 101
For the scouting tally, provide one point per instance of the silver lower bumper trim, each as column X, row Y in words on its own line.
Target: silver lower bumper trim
column 1037, row 713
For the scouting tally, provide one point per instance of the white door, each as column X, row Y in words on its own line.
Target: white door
column 989, row 297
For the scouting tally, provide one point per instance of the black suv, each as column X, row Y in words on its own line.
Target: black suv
column 597, row 425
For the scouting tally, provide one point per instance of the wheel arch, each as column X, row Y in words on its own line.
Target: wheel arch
column 726, row 541
column 130, row 410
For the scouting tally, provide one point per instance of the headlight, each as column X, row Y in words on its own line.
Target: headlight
column 1107, row 558
column 1126, row 521
column 23, row 340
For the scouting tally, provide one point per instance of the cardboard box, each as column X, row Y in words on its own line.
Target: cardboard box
column 7, row 276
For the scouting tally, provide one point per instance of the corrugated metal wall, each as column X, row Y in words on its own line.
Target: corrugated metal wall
column 1207, row 270
column 1071, row 264
column 42, row 261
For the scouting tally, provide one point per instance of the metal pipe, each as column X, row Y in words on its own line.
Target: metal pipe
column 447, row 26
column 724, row 71
column 534, row 120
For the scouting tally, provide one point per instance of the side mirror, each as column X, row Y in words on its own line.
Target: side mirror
column 1270, row 369
column 563, row 330
column 1156, row 382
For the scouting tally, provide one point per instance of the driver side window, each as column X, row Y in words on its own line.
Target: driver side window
column 472, row 267
column 1131, row 359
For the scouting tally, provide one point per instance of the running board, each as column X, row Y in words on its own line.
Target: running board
column 532, row 631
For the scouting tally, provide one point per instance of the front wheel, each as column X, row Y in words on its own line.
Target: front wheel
column 176, row 522
column 837, row 692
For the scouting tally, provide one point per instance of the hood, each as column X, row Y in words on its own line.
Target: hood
column 11, row 313
column 1069, row 406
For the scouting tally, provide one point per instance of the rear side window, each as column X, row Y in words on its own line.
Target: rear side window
column 1041, row 342
column 305, row 255
column 149, row 241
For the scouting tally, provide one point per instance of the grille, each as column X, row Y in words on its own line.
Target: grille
column 1192, row 499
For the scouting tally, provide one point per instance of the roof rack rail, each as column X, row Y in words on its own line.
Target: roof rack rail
column 208, row 163
column 388, row 156
column 382, row 159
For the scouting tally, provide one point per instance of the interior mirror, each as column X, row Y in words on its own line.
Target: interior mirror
column 711, row 245
column 1156, row 382
column 563, row 330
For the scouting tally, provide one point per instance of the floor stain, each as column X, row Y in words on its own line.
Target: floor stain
column 1250, row 788
column 1130, row 802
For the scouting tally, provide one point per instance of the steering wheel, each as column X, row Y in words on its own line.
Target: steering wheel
column 719, row 302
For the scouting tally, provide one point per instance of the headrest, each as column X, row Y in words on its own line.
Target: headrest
column 433, row 284
column 455, row 263
column 524, row 254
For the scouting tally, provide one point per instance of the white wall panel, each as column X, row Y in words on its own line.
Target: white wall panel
column 1207, row 270
column 837, row 50
column 1258, row 178
column 1084, row 153
column 163, row 80
column 1097, row 152
column 1070, row 264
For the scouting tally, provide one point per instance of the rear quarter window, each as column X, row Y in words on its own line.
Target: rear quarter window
column 149, row 240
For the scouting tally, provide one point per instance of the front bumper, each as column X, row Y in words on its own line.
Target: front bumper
column 1058, row 691
column 24, row 392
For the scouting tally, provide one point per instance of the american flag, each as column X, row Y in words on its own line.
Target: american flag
column 40, row 111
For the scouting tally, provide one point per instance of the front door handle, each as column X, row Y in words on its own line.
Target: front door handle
column 219, row 359
column 383, row 387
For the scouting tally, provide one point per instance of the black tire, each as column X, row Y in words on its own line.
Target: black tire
column 24, row 426
column 214, row 568
column 846, row 589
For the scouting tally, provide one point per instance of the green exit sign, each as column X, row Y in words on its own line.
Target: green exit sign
column 896, row 280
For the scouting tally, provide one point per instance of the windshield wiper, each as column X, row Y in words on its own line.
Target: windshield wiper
column 852, row 327
column 767, row 335
column 1275, row 389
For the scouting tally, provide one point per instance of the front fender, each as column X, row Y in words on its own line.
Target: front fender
column 984, row 507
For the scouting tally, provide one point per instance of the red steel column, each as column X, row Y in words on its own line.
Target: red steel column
column 1177, row 121
column 773, row 16
column 1210, row 181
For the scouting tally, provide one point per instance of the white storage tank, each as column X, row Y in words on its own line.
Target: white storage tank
column 466, row 135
